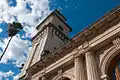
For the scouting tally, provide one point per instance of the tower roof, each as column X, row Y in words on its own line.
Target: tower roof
column 58, row 15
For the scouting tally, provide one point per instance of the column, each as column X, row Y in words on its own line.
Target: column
column 79, row 68
column 92, row 67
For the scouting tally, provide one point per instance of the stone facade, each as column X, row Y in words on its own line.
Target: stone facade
column 90, row 55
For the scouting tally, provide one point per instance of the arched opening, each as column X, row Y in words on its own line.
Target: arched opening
column 114, row 68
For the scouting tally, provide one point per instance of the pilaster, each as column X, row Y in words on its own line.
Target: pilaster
column 79, row 68
column 92, row 67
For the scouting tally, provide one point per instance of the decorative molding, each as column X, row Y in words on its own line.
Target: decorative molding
column 107, row 58
column 85, row 45
column 116, row 43
column 69, row 75
column 59, row 75
column 60, row 72
column 62, row 75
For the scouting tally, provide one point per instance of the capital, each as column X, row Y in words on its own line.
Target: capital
column 105, row 77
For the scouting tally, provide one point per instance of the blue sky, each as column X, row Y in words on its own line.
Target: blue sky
column 79, row 14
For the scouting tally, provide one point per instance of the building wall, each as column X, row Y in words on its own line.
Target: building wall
column 96, row 58
column 88, row 56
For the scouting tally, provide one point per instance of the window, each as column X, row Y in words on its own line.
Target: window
column 60, row 28
column 114, row 69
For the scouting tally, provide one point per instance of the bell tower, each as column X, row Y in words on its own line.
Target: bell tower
column 52, row 34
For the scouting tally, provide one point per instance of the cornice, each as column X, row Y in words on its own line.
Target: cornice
column 101, row 25
column 49, row 25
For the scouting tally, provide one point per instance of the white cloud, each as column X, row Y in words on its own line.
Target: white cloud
column 39, row 10
column 9, row 73
column 29, row 19
column 16, row 50
column 1, row 30
column 6, row 74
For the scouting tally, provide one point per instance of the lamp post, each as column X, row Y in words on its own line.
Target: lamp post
column 13, row 29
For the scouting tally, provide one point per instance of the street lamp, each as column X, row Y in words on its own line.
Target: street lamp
column 13, row 29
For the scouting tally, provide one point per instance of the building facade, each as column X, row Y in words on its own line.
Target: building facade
column 93, row 54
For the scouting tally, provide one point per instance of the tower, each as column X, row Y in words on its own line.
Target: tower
column 52, row 34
